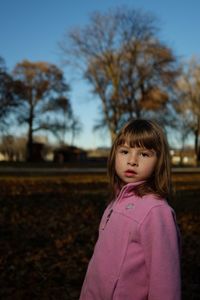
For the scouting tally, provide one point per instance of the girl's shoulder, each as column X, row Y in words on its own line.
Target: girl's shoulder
column 153, row 200
column 150, row 205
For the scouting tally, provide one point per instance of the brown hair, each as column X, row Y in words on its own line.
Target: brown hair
column 147, row 134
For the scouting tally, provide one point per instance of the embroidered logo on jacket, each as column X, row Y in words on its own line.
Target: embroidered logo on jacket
column 129, row 206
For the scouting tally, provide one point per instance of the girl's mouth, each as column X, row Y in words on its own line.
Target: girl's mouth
column 129, row 173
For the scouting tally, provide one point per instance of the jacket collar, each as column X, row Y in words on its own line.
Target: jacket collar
column 127, row 190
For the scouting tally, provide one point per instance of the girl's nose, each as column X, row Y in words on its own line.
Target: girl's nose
column 133, row 160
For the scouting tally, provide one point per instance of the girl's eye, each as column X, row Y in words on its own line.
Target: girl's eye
column 145, row 154
column 123, row 151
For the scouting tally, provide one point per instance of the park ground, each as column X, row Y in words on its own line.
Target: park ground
column 49, row 225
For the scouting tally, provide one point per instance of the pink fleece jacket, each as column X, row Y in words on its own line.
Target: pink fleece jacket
column 136, row 256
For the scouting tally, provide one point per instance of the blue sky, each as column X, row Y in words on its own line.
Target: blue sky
column 32, row 30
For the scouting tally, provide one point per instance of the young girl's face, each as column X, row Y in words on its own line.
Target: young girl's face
column 134, row 164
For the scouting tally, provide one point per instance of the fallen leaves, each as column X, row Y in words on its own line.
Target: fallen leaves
column 48, row 228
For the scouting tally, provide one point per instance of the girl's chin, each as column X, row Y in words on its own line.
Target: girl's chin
column 129, row 180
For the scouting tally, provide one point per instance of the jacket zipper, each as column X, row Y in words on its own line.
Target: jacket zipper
column 107, row 219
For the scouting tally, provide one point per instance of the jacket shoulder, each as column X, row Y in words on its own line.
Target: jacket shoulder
column 148, row 203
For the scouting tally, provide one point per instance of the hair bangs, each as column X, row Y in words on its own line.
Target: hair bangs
column 140, row 138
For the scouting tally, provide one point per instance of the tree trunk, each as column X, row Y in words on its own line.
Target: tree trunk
column 30, row 157
column 197, row 146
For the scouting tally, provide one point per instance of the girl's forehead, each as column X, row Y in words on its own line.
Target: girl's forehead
column 128, row 146
column 136, row 143
column 131, row 142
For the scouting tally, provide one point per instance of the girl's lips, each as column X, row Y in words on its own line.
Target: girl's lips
column 129, row 173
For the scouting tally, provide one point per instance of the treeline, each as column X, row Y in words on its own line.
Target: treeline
column 35, row 96
column 132, row 72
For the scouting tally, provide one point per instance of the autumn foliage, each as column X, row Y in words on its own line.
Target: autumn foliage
column 48, row 227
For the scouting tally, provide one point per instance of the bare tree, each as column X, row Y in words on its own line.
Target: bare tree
column 129, row 68
column 8, row 99
column 76, row 128
column 43, row 94
column 65, row 123
column 188, row 105
column 13, row 148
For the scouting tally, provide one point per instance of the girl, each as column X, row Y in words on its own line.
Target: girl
column 136, row 256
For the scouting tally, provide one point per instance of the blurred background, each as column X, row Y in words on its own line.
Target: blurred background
column 71, row 74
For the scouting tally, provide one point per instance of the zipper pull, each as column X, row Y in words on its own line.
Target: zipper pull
column 107, row 219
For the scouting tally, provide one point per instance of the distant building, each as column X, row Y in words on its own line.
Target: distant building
column 98, row 154
column 185, row 157
column 69, row 154
column 38, row 152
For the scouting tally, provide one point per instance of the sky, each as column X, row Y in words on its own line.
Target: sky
column 33, row 29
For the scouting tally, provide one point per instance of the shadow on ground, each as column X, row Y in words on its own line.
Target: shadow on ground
column 48, row 227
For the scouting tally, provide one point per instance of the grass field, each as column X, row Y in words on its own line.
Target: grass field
column 49, row 225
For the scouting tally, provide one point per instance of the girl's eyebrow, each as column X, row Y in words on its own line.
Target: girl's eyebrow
column 151, row 151
column 124, row 146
